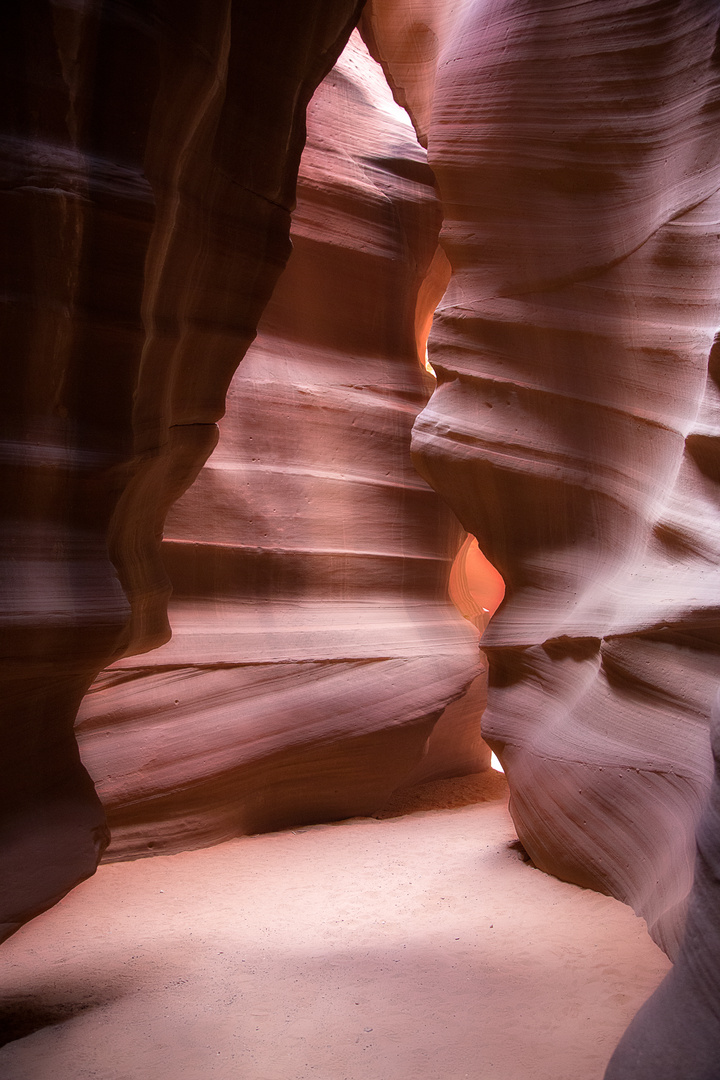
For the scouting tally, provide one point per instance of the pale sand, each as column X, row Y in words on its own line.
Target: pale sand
column 408, row 948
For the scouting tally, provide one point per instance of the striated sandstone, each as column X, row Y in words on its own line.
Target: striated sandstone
column 676, row 1034
column 313, row 645
column 575, row 429
column 148, row 155
column 574, row 432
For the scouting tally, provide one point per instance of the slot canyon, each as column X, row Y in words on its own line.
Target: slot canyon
column 360, row 420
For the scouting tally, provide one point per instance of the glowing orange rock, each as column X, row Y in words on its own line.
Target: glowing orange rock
column 476, row 589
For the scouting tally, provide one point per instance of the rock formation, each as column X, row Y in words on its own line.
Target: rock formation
column 575, row 430
column 149, row 154
column 313, row 645
column 676, row 1034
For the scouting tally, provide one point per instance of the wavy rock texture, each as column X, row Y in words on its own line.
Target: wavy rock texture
column 313, row 644
column 575, row 429
column 148, row 155
column 676, row 1034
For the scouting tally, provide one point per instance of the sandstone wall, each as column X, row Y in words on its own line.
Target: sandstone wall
column 313, row 645
column 574, row 430
column 148, row 155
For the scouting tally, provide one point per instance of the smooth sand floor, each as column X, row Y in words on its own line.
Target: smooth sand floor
column 408, row 948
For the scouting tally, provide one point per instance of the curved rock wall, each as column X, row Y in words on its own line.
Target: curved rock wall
column 676, row 1034
column 574, row 430
column 148, row 155
column 313, row 644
